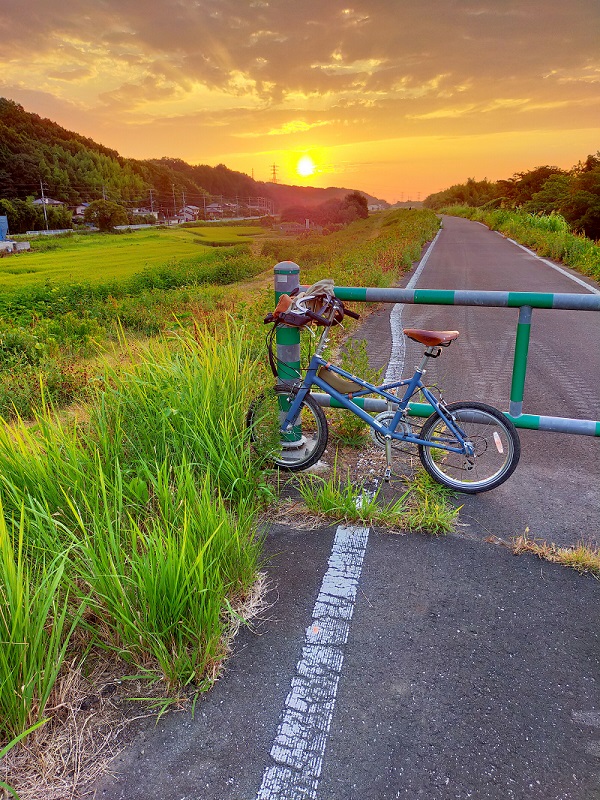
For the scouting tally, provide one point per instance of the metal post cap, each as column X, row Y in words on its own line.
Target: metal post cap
column 286, row 267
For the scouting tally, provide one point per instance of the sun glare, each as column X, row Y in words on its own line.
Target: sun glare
column 306, row 166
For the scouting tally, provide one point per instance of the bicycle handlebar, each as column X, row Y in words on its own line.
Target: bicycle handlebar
column 327, row 321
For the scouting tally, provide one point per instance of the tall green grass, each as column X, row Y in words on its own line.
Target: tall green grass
column 549, row 235
column 36, row 625
column 144, row 514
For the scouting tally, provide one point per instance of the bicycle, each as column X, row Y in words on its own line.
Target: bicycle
column 470, row 447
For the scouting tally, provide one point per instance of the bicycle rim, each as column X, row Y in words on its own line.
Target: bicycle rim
column 494, row 438
column 297, row 450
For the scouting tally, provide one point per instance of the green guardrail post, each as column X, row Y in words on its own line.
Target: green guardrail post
column 287, row 278
column 517, row 388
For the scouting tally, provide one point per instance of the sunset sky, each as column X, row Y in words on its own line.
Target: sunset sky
column 399, row 98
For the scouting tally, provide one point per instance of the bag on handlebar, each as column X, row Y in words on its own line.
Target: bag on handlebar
column 315, row 305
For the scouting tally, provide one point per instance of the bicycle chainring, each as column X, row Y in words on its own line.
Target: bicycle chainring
column 385, row 419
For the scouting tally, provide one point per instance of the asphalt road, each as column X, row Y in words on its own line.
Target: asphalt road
column 391, row 667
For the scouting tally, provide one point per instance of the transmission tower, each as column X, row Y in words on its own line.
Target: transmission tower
column 274, row 173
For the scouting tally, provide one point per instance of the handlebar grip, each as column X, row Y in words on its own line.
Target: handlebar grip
column 352, row 314
column 318, row 317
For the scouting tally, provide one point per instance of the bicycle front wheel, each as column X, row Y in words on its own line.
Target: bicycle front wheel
column 494, row 439
column 299, row 449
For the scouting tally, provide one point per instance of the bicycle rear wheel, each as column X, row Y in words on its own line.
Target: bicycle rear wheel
column 496, row 443
column 299, row 449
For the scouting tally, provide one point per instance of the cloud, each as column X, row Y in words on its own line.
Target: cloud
column 286, row 129
column 221, row 70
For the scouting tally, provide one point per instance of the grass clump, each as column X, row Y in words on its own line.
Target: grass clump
column 36, row 625
column 584, row 558
column 349, row 428
column 424, row 505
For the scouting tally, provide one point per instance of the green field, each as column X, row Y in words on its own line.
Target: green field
column 84, row 258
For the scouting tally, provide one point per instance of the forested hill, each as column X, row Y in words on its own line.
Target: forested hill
column 75, row 169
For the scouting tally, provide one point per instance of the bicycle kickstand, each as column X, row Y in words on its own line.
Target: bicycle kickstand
column 388, row 457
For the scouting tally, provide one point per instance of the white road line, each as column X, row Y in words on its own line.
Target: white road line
column 396, row 363
column 299, row 745
column 562, row 271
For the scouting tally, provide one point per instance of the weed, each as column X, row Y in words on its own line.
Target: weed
column 424, row 505
column 582, row 557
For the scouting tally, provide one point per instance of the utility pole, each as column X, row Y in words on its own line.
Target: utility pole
column 174, row 204
column 44, row 204
column 151, row 201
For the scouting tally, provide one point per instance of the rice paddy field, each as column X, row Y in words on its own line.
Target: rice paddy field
column 79, row 258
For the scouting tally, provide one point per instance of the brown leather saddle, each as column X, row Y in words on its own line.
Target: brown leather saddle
column 431, row 338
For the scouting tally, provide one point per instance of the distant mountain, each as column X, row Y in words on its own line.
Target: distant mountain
column 285, row 195
column 74, row 169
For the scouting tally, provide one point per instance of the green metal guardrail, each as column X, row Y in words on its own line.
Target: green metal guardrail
column 287, row 278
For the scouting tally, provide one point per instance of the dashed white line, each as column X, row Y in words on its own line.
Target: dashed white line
column 299, row 747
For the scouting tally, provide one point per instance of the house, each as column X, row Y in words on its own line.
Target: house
column 79, row 210
column 214, row 210
column 189, row 214
column 47, row 201
column 144, row 212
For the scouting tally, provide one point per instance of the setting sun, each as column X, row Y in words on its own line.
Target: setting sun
column 306, row 166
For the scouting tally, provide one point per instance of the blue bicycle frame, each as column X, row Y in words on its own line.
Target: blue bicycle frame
column 388, row 432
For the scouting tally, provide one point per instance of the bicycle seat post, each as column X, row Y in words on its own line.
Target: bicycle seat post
column 430, row 352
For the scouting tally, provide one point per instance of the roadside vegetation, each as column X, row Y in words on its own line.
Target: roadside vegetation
column 129, row 524
column 423, row 505
column 582, row 557
column 54, row 329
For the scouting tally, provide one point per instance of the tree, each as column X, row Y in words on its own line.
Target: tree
column 523, row 185
column 105, row 215
column 356, row 206
column 553, row 196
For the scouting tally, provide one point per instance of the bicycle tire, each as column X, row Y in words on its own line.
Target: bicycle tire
column 297, row 451
column 497, row 448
